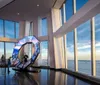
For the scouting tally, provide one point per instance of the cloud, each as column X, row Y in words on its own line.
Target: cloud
column 98, row 30
column 83, row 46
column 84, row 27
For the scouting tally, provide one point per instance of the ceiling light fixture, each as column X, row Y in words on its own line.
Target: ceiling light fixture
column 37, row 5
column 18, row 13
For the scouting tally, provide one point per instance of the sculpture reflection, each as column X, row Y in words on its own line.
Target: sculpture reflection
column 25, row 79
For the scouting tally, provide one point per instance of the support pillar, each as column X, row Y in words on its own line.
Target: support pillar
column 51, row 57
column 58, row 42
column 75, row 40
column 21, row 35
column 65, row 43
column 93, row 55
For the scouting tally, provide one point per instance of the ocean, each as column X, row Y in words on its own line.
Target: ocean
column 84, row 66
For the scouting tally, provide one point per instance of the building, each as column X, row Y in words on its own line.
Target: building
column 68, row 31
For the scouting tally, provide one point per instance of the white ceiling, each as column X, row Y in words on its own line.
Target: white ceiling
column 27, row 9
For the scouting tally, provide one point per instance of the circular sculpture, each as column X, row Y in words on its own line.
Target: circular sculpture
column 28, row 39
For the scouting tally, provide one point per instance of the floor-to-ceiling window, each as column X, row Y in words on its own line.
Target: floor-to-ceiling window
column 83, row 42
column 84, row 47
column 44, row 53
column 9, row 29
column 9, row 49
column 70, row 36
column 43, row 31
column 43, row 27
column 97, row 43
column 84, row 39
column 70, row 50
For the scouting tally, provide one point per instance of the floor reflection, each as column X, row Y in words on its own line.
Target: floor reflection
column 45, row 77
column 24, row 79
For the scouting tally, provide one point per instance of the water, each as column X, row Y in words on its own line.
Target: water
column 45, row 77
column 84, row 66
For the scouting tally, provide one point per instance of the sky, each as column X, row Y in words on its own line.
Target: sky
column 44, row 27
column 83, row 36
column 44, row 49
column 9, row 29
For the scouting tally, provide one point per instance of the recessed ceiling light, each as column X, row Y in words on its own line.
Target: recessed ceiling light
column 18, row 13
column 38, row 5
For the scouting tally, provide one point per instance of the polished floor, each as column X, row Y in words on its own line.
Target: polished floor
column 44, row 77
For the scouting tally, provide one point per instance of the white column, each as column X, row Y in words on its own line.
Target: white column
column 58, row 42
column 93, row 56
column 27, row 46
column 51, row 57
column 75, row 50
column 36, row 27
column 21, row 35
column 65, row 46
column 27, row 28
column 75, row 40
column 22, row 29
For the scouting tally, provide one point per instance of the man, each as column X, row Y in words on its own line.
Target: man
column 25, row 58
column 9, row 63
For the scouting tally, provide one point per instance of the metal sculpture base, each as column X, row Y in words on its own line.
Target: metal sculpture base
column 30, row 69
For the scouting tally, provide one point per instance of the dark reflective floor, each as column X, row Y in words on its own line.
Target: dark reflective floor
column 45, row 77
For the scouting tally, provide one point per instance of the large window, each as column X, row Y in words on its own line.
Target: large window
column 70, row 50
column 9, row 29
column 1, row 28
column 44, row 27
column 83, row 40
column 44, row 52
column 97, row 40
column 84, row 47
column 17, row 30
column 69, row 9
column 9, row 49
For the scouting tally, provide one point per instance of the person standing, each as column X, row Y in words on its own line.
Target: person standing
column 9, row 64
